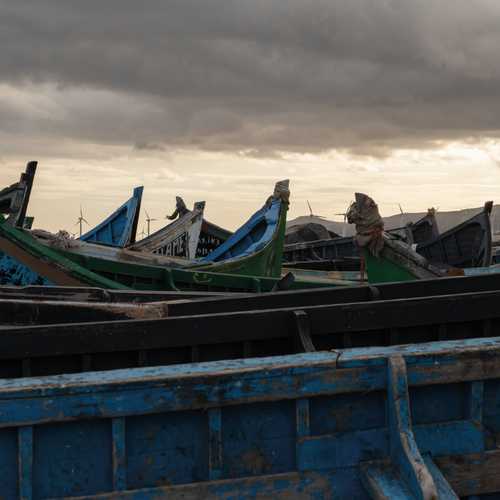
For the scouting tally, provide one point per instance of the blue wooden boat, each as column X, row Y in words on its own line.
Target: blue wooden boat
column 419, row 421
column 256, row 248
column 120, row 228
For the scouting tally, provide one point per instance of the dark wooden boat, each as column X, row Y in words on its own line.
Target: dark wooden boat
column 342, row 254
column 120, row 228
column 466, row 245
column 387, row 259
column 46, row 305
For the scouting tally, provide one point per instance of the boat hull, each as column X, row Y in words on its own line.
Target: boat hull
column 261, row 428
column 120, row 228
column 70, row 268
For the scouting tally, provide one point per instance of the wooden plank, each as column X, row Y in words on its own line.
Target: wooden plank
column 206, row 385
column 25, row 462
column 119, row 454
column 445, row 492
column 475, row 474
column 404, row 452
column 476, row 402
column 382, row 482
column 349, row 449
column 302, row 418
column 359, row 319
column 288, row 485
column 215, row 443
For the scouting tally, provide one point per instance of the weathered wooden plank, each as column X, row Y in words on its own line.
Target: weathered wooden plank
column 404, row 452
column 289, row 485
column 445, row 492
column 215, row 443
column 476, row 402
column 205, row 385
column 25, row 462
column 348, row 449
column 475, row 474
column 382, row 482
column 330, row 321
column 302, row 418
column 92, row 294
column 119, row 454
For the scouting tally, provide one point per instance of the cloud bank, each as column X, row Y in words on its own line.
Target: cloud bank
column 251, row 76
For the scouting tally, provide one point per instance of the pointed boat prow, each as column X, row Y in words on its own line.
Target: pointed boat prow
column 15, row 198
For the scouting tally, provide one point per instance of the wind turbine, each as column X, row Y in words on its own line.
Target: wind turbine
column 311, row 212
column 148, row 221
column 80, row 221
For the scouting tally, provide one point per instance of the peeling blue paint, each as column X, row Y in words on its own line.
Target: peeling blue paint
column 12, row 272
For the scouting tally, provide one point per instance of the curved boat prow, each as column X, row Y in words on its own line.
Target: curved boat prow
column 256, row 248
column 466, row 245
column 120, row 228
column 387, row 259
column 14, row 199
column 180, row 238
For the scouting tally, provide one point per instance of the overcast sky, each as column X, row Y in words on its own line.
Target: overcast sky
column 216, row 100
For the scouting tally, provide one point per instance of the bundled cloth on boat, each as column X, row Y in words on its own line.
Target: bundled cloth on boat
column 62, row 239
column 369, row 224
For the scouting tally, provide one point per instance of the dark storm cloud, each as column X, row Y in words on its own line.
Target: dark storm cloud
column 257, row 75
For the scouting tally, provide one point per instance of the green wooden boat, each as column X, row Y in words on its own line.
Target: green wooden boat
column 253, row 250
column 250, row 260
column 387, row 258
column 25, row 261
